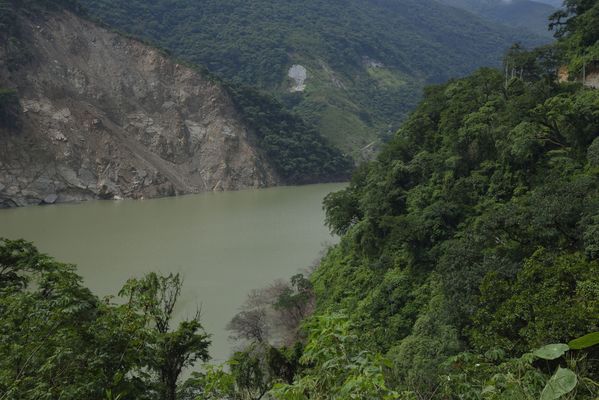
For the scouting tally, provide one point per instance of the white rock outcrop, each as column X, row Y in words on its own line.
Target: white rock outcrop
column 298, row 74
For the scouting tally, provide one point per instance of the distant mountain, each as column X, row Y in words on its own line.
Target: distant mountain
column 522, row 14
column 353, row 68
column 554, row 3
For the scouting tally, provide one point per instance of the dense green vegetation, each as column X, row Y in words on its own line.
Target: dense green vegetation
column 367, row 61
column 8, row 9
column 298, row 153
column 58, row 340
column 554, row 3
column 474, row 234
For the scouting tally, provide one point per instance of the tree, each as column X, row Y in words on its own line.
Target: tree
column 248, row 375
column 275, row 311
column 253, row 322
column 295, row 303
column 552, row 299
column 251, row 325
column 58, row 340
column 335, row 367
column 170, row 351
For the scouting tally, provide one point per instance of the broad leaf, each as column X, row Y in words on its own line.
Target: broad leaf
column 551, row 351
column 584, row 342
column 561, row 383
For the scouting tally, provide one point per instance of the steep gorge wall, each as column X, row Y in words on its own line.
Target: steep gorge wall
column 104, row 116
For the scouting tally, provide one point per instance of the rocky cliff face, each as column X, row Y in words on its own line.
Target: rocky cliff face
column 104, row 116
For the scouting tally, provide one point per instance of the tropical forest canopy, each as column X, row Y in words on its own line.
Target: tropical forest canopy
column 473, row 238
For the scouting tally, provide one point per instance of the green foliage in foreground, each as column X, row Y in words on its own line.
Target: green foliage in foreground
column 248, row 375
column 58, row 340
column 521, row 378
column 468, row 266
column 337, row 368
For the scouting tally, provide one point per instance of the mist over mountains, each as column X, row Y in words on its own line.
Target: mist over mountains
column 528, row 15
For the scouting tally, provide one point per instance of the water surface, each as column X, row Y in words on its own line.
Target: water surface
column 224, row 244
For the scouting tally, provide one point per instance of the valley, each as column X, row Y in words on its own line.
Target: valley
column 450, row 250
column 366, row 61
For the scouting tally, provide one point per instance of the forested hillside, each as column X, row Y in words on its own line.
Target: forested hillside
column 366, row 61
column 468, row 266
column 473, row 238
column 529, row 15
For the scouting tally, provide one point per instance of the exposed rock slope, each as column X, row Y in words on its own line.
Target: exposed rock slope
column 104, row 116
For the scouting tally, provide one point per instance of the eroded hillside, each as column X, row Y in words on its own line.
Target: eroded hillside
column 103, row 116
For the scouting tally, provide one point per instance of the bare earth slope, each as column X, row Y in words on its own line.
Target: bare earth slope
column 104, row 116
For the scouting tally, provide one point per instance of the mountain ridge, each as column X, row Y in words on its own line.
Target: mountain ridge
column 530, row 15
column 366, row 62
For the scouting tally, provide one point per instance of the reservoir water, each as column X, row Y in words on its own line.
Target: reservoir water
column 223, row 244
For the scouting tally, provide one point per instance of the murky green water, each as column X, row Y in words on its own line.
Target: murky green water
column 224, row 244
